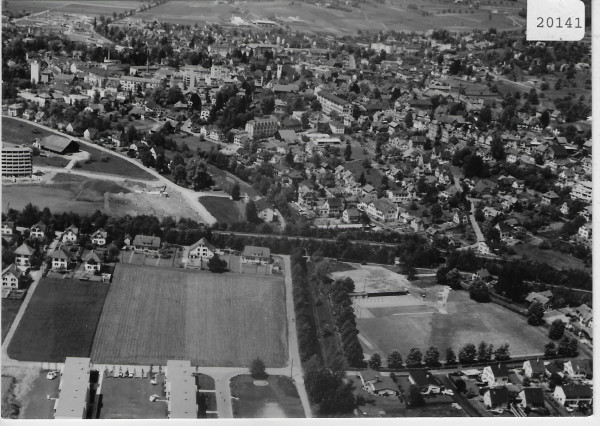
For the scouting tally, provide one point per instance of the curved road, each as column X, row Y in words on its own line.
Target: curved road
column 189, row 195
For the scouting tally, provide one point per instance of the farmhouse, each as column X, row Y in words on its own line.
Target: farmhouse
column 496, row 398
column 573, row 394
column 23, row 255
column 74, row 389
column 495, row 375
column 12, row 278
column 201, row 249
column 180, row 390
column 425, row 381
column 374, row 383
column 259, row 255
column 146, row 243
column 99, row 237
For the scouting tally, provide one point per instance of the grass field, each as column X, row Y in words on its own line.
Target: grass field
column 59, row 321
column 155, row 314
column 418, row 324
column 114, row 166
column 37, row 405
column 102, row 7
column 130, row 399
column 279, row 399
column 551, row 257
column 319, row 19
column 10, row 308
column 224, row 209
column 17, row 132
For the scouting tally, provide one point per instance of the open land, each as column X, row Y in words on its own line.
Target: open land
column 155, row 314
column 63, row 192
column 113, row 166
column 551, row 257
column 319, row 19
column 37, row 405
column 124, row 398
column 276, row 400
column 224, row 209
column 103, row 7
column 59, row 321
column 374, row 279
column 10, row 308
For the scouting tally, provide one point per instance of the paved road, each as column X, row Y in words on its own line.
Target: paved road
column 189, row 195
column 475, row 225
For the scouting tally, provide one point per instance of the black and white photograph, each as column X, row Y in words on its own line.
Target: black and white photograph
column 297, row 209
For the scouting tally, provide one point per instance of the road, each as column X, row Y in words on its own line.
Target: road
column 189, row 195
column 475, row 225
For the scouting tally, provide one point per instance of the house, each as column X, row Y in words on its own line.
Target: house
column 74, row 389
column 542, row 298
column 496, row 398
column 368, row 376
column 350, row 215
column 579, row 368
column 92, row 262
column 265, row 211
column 532, row 398
column 257, row 255
column 573, row 394
column 8, row 228
column 99, row 237
column 534, row 369
column 549, row 197
column 374, row 383
column 585, row 231
column 483, row 274
column 90, row 134
column 12, row 278
column 495, row 375
column 61, row 259
column 383, row 210
column 425, row 381
column 201, row 249
column 38, row 231
column 584, row 314
column 69, row 236
column 482, row 248
column 146, row 244
column 23, row 255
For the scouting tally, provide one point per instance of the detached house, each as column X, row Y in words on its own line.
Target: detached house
column 573, row 394
column 534, row 369
column 38, row 231
column 425, row 381
column 146, row 244
column 379, row 385
column 579, row 369
column 61, row 259
column 382, row 210
column 256, row 255
column 8, row 228
column 495, row 375
column 70, row 235
column 12, row 278
column 532, row 398
column 350, row 215
column 201, row 249
column 92, row 262
column 496, row 398
column 99, row 237
column 23, row 255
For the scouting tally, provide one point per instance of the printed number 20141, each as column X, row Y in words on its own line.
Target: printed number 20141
column 558, row 23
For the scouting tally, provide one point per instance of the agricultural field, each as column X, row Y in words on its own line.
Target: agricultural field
column 10, row 308
column 224, row 209
column 278, row 399
column 59, row 321
column 102, row 7
column 155, row 314
column 369, row 17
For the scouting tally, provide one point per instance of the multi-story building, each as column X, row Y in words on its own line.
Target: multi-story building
column 16, row 161
column 129, row 82
column 261, row 127
column 180, row 390
column 330, row 103
column 582, row 190
column 74, row 389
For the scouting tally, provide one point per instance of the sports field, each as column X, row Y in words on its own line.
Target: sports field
column 152, row 315
column 59, row 321
column 400, row 323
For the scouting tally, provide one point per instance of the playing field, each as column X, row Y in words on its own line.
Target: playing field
column 59, row 321
column 410, row 322
column 155, row 314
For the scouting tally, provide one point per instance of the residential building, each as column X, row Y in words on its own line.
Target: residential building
column 261, row 127
column 532, row 398
column 74, row 389
column 92, row 262
column 573, row 394
column 61, row 259
column 495, row 375
column 582, row 190
column 12, row 277
column 38, row 231
column 534, row 369
column 258, row 255
column 201, row 249
column 69, row 236
column 496, row 398
column 8, row 228
column 16, row 161
column 180, row 388
column 382, row 210
column 579, row 369
column 330, row 103
column 23, row 255
column 146, row 244
column 425, row 381
column 351, row 215
column 99, row 237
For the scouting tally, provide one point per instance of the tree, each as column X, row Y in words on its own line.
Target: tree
column 257, row 369
column 196, row 102
column 415, row 398
column 198, row 175
column 432, row 357
column 414, row 358
column 484, row 352
column 235, row 191
column 479, row 291
column 557, row 329
column 251, row 213
column 348, row 152
column 147, row 158
column 502, row 353
column 497, row 149
column 567, row 347
column 361, row 179
column 180, row 175
column 535, row 313
column 453, row 279
column 304, row 120
column 394, row 360
column 467, row 354
column 408, row 120
column 550, row 350
column 315, row 105
column 450, row 357
column 375, row 361
column 216, row 264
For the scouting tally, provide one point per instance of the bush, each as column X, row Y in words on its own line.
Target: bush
column 257, row 369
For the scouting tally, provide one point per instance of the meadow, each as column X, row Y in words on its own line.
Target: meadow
column 103, row 7
column 155, row 314
column 59, row 321
column 224, row 209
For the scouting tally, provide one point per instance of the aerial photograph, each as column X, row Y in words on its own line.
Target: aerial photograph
column 291, row 209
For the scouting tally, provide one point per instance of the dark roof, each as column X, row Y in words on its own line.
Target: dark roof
column 500, row 370
column 145, row 240
column 577, row 391
column 537, row 366
column 256, row 251
column 369, row 375
column 24, row 250
column 58, row 144
column 534, row 396
column 498, row 396
column 423, row 378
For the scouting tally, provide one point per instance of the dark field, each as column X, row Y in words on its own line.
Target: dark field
column 278, row 399
column 224, row 209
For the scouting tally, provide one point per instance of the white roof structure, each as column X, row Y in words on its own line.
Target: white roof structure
column 74, row 384
column 181, row 389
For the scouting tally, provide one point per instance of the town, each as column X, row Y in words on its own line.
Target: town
column 239, row 215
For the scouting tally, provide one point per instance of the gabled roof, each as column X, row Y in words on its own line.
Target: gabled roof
column 146, row 240
column 92, row 257
column 24, row 250
column 256, row 251
column 369, row 375
column 385, row 383
column 13, row 270
column 60, row 253
column 423, row 378
column 537, row 366
column 534, row 396
column 499, row 370
column 203, row 242
column 577, row 391
column 498, row 396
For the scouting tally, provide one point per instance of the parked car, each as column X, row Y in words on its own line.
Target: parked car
column 52, row 375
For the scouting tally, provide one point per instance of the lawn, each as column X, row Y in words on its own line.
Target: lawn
column 10, row 308
column 224, row 209
column 59, row 321
column 19, row 133
column 54, row 161
column 466, row 322
column 114, row 166
column 276, row 400
column 554, row 258
column 155, row 314
column 130, row 399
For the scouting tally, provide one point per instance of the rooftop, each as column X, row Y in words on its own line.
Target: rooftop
column 73, row 388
